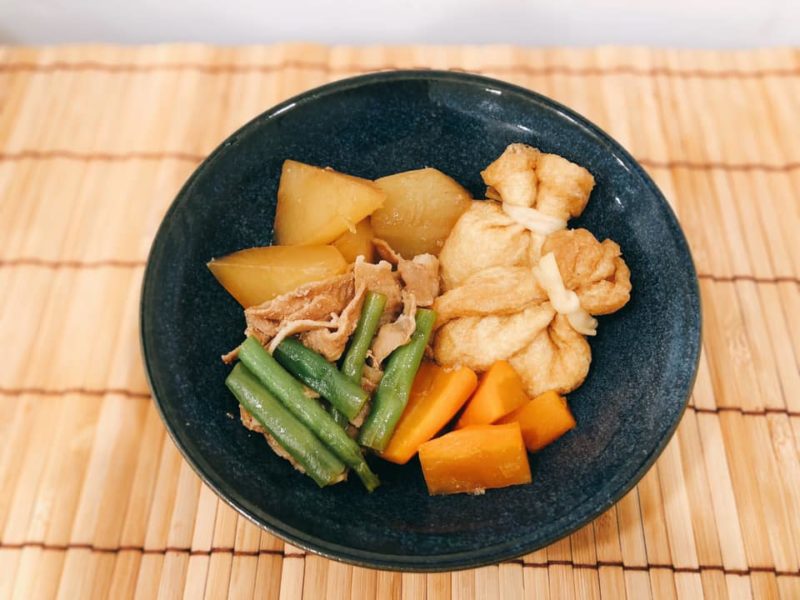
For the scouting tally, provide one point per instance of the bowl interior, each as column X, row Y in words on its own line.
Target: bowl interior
column 644, row 357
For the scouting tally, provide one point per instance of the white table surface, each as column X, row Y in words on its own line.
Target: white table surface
column 679, row 23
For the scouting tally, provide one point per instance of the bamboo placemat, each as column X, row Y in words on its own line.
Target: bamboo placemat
column 95, row 501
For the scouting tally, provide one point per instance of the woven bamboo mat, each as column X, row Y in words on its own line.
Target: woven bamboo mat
column 95, row 501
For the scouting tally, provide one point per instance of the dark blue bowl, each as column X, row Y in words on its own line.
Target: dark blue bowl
column 645, row 356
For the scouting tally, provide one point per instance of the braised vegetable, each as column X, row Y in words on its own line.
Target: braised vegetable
column 436, row 396
column 256, row 275
column 499, row 392
column 321, row 376
column 391, row 396
column 316, row 206
column 542, row 420
column 340, row 419
column 371, row 311
column 420, row 209
column 474, row 459
column 290, row 392
column 353, row 244
column 294, row 437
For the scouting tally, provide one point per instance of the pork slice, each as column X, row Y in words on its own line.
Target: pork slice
column 386, row 252
column 250, row 422
column 421, row 277
column 358, row 420
column 290, row 328
column 371, row 377
column 314, row 302
column 278, row 449
column 331, row 342
column 230, row 357
column 395, row 334
column 380, row 279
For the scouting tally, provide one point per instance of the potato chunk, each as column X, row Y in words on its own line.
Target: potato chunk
column 420, row 210
column 357, row 243
column 316, row 206
column 256, row 275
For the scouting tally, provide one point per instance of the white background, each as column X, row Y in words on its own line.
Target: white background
column 687, row 23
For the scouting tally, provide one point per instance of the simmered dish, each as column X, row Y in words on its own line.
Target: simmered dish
column 400, row 318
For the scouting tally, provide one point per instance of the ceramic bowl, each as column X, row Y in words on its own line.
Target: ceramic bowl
column 644, row 357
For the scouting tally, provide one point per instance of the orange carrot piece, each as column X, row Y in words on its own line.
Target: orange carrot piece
column 474, row 459
column 500, row 391
column 436, row 396
column 543, row 420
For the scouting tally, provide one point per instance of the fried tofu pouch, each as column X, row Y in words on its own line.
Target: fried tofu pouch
column 493, row 307
column 529, row 183
column 525, row 176
column 502, row 313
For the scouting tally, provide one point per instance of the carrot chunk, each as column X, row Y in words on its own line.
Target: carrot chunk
column 436, row 396
column 500, row 391
column 543, row 420
column 474, row 459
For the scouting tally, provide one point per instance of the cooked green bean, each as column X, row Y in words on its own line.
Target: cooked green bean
column 321, row 376
column 341, row 420
column 353, row 362
column 391, row 397
column 290, row 392
column 294, row 437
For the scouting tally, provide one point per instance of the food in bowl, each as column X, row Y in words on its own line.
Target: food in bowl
column 476, row 313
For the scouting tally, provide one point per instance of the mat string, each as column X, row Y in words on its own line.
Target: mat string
column 324, row 67
column 84, row 156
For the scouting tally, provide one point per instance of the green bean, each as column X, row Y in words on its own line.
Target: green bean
column 294, row 437
column 340, row 418
column 321, row 376
column 391, row 397
column 290, row 392
column 353, row 362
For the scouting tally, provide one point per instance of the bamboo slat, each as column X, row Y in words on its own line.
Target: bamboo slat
column 714, row 585
column 173, row 574
column 268, row 577
column 205, row 517
column 462, row 585
column 125, row 574
column 612, row 582
column 662, row 584
column 701, row 511
column 219, row 574
column 631, row 532
column 149, row 578
column 511, row 581
column 196, row 574
column 587, row 583
column 689, row 585
column 607, row 543
column 243, row 577
column 292, row 573
column 95, row 501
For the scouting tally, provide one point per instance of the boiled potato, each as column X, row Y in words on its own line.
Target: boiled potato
column 316, row 206
column 420, row 210
column 256, row 275
column 357, row 243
